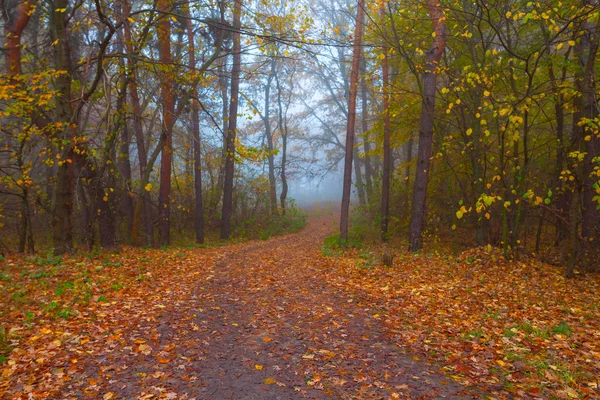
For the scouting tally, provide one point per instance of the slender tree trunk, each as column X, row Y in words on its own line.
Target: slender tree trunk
column 360, row 186
column 86, row 214
column 434, row 54
column 283, row 127
column 127, row 209
column 126, row 195
column 198, row 205
column 63, row 199
column 168, row 103
column 227, row 210
column 16, row 19
column 589, row 42
column 407, row 171
column 573, row 233
column 387, row 151
column 106, row 220
column 143, row 210
column 347, row 185
column 269, row 135
column 364, row 92
column 562, row 198
column 223, row 88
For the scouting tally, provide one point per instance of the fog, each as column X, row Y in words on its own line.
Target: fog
column 317, row 190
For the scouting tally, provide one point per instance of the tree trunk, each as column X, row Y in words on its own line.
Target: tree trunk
column 198, row 205
column 63, row 199
column 364, row 92
column 590, row 39
column 227, row 210
column 283, row 127
column 16, row 19
column 387, row 151
column 126, row 195
column 347, row 184
column 573, row 234
column 223, row 88
column 143, row 210
column 86, row 214
column 269, row 135
column 105, row 216
column 434, row 54
column 168, row 103
column 360, row 186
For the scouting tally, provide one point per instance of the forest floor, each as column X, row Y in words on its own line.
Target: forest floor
column 278, row 319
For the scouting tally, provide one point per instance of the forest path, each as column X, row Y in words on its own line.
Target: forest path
column 262, row 322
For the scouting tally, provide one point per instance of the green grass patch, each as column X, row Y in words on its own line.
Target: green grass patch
column 331, row 245
column 562, row 329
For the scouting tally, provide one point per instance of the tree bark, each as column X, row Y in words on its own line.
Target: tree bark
column 143, row 210
column 63, row 198
column 16, row 17
column 126, row 195
column 589, row 42
column 198, row 204
column 168, row 103
column 347, row 184
column 227, row 210
column 434, row 54
column 364, row 92
column 283, row 128
column 360, row 186
column 270, row 147
column 387, row 151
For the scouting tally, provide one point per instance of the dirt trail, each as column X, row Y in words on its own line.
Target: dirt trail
column 264, row 323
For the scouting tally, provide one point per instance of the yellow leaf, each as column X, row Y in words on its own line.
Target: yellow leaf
column 266, row 339
column 459, row 214
column 148, row 187
column 469, row 131
column 500, row 362
column 571, row 43
column 258, row 367
column 130, row 20
column 538, row 200
column 270, row 381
